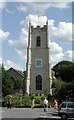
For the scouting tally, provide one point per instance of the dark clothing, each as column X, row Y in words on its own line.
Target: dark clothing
column 8, row 105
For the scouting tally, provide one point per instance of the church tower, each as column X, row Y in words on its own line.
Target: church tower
column 37, row 67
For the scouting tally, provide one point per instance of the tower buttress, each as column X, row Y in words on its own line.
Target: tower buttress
column 28, row 66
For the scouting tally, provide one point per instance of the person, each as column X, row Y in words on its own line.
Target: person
column 9, row 101
column 33, row 103
column 55, row 104
column 45, row 102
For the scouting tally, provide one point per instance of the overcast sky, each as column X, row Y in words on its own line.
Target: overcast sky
column 14, row 30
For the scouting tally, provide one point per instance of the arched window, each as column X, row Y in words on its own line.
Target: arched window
column 38, row 41
column 38, row 82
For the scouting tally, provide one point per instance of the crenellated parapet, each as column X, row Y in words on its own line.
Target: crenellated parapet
column 42, row 28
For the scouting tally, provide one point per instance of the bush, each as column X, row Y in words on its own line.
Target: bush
column 42, row 98
column 3, row 103
column 37, row 100
column 16, row 103
column 32, row 96
column 51, row 103
column 26, row 101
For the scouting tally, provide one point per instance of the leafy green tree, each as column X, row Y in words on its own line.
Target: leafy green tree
column 57, row 85
column 65, row 71
column 6, row 82
column 18, row 83
column 62, row 92
column 63, row 89
column 67, row 90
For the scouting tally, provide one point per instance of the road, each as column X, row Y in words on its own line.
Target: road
column 28, row 114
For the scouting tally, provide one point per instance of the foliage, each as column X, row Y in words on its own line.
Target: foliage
column 37, row 100
column 18, row 83
column 32, row 96
column 27, row 101
column 63, row 86
column 65, row 71
column 6, row 83
column 16, row 102
column 63, row 89
column 42, row 98
column 46, row 92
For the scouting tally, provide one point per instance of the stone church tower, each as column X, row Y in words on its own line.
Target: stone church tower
column 37, row 67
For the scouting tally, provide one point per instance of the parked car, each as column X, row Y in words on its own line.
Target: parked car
column 66, row 110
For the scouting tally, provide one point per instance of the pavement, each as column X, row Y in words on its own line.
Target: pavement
column 28, row 114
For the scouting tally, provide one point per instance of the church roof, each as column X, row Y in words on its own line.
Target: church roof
column 19, row 72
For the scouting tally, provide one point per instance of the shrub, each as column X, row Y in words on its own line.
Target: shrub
column 16, row 103
column 42, row 98
column 26, row 101
column 37, row 100
column 32, row 96
column 3, row 103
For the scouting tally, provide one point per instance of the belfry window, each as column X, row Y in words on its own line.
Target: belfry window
column 38, row 41
column 38, row 82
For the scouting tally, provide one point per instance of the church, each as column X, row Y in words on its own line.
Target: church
column 38, row 72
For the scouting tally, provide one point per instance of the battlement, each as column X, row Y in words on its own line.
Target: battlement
column 38, row 27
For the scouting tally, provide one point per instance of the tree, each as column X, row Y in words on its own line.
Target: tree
column 65, row 71
column 6, row 82
column 18, row 83
column 63, row 89
column 67, row 90
column 57, row 85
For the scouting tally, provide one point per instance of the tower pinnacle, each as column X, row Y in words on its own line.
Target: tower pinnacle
column 38, row 19
column 47, row 22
